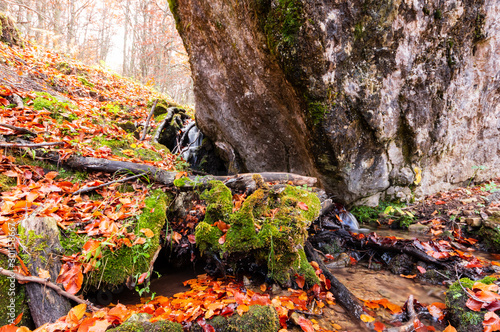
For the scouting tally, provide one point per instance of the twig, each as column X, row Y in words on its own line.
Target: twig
column 147, row 121
column 19, row 129
column 87, row 189
column 48, row 283
column 29, row 145
column 410, row 325
column 466, row 291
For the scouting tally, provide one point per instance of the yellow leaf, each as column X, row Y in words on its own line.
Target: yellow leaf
column 366, row 318
column 133, row 146
column 76, row 313
column 418, row 175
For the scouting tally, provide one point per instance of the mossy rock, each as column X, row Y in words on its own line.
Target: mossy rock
column 128, row 126
column 9, row 34
column 257, row 319
column 117, row 265
column 271, row 225
column 12, row 296
column 158, row 326
column 489, row 233
column 162, row 106
column 461, row 317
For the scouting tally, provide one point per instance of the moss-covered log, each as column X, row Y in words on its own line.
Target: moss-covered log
column 41, row 250
column 271, row 226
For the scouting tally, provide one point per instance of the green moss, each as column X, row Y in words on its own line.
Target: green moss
column 126, row 147
column 158, row 326
column 58, row 110
column 461, row 317
column 12, row 296
column 257, row 319
column 64, row 68
column 115, row 266
column 85, row 81
column 358, row 31
column 7, row 183
column 283, row 24
column 219, row 202
column 270, row 225
column 317, row 112
column 438, row 14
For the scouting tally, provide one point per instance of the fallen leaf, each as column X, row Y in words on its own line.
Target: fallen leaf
column 450, row 328
column 146, row 231
column 366, row 318
column 302, row 206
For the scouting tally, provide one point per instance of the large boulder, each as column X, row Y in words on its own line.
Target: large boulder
column 368, row 95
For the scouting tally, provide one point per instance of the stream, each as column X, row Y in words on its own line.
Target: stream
column 364, row 283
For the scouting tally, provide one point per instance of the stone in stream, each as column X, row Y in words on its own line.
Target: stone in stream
column 368, row 96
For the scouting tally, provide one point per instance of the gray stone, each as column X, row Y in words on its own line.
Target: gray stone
column 359, row 94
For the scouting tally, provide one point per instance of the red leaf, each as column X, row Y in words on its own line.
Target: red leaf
column 473, row 304
column 222, row 239
column 491, row 322
column 302, row 206
column 306, row 324
column 4, row 101
column 192, row 239
column 142, row 277
column 378, row 326
column 435, row 312
column 300, row 280
column 440, row 202
column 421, row 269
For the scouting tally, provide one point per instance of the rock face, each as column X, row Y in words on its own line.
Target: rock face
column 368, row 95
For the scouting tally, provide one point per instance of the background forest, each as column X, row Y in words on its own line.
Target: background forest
column 136, row 38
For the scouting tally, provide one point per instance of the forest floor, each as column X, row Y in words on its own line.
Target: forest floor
column 91, row 112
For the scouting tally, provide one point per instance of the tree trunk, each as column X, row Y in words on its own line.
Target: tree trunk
column 41, row 242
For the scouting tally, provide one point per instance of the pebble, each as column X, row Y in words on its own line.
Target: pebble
column 474, row 221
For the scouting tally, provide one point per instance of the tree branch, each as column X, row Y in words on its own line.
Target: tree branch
column 29, row 145
column 45, row 282
column 87, row 189
column 144, row 132
column 19, row 129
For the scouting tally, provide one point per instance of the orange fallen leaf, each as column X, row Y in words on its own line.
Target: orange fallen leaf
column 366, row 318
column 146, row 231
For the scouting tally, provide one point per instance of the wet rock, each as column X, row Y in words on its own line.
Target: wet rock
column 341, row 261
column 474, row 222
column 401, row 264
column 418, row 228
column 366, row 94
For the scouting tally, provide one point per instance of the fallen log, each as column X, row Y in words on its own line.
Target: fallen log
column 239, row 181
column 342, row 295
column 40, row 240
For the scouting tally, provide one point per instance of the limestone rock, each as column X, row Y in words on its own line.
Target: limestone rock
column 365, row 95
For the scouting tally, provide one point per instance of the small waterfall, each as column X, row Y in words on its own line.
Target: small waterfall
column 188, row 142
